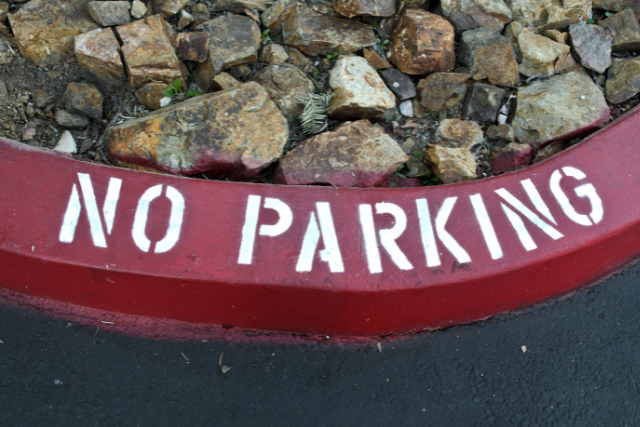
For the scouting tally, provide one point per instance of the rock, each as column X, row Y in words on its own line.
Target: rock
column 66, row 144
column 41, row 98
column 510, row 157
column 469, row 15
column 110, row 13
column 168, row 8
column 314, row 33
column 44, row 29
column 150, row 94
column 241, row 72
column 99, row 52
column 406, row 108
column 69, row 120
column 451, row 165
column 502, row 133
column 192, row 46
column 200, row 12
column 609, row 5
column 229, row 5
column 556, row 36
column 4, row 92
column 297, row 58
column 240, row 37
column 539, row 54
column 356, row 154
column 548, row 151
column 443, row 90
column 591, row 46
column 351, row 8
column 625, row 31
column 274, row 16
column 359, row 92
column 274, row 54
column 563, row 107
column 489, row 56
column 483, row 102
column 223, row 81
column 623, row 80
column 324, row 7
column 85, row 99
column 550, row 14
column 185, row 20
column 504, row 158
column 6, row 55
column 422, row 43
column 399, row 83
column 456, row 133
column 376, row 60
column 394, row 181
column 138, row 9
column 566, row 64
column 236, row 133
column 287, row 86
column 4, row 12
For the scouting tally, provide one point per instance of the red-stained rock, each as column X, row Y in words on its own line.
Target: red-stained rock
column 510, row 157
column 356, row 154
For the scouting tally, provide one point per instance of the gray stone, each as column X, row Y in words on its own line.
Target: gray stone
column 443, row 90
column 110, row 13
column 623, row 80
column 287, row 86
column 469, row 15
column 549, row 14
column 591, row 46
column 483, row 102
column 489, row 56
column 625, row 31
column 69, row 120
column 229, row 5
column 41, row 98
column 399, row 83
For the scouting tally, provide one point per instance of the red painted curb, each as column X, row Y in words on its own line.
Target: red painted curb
column 323, row 260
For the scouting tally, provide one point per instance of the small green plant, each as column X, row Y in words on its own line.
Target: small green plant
column 430, row 179
column 398, row 172
column 436, row 115
column 418, row 154
column 382, row 44
column 192, row 93
column 333, row 57
column 591, row 21
column 174, row 91
column 608, row 14
column 265, row 36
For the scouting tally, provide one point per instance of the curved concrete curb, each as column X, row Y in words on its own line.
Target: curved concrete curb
column 319, row 260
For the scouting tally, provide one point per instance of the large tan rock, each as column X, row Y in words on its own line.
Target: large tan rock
column 233, row 40
column 623, row 80
column 168, row 8
column 99, row 52
column 151, row 94
column 562, row 107
column 489, row 56
column 549, row 14
column 538, row 54
column 468, row 15
column 356, row 154
column 351, row 8
column 287, row 86
column 443, row 90
column 422, row 43
column 359, row 92
column 314, row 33
column 148, row 52
column 45, row 29
column 456, row 133
column 236, row 133
column 451, row 165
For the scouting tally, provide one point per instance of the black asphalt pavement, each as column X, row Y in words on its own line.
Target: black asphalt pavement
column 581, row 367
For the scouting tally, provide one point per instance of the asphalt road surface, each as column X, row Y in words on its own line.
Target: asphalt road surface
column 581, row 367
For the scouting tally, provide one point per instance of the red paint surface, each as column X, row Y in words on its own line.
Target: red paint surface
column 199, row 280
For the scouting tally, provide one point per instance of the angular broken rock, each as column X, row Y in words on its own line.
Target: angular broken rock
column 456, row 133
column 99, row 52
column 351, row 8
column 489, row 56
column 625, row 31
column 223, row 81
column 70, row 120
column 150, row 94
column 229, row 5
column 41, row 98
column 298, row 58
column 359, row 92
column 623, row 80
column 376, row 60
column 548, row 151
column 503, row 133
column 483, row 102
column 192, row 46
column 538, row 54
column 274, row 54
column 84, row 98
column 4, row 11
column 44, row 29
column 422, row 43
column 274, row 16
column 451, row 165
column 287, row 86
column 233, row 40
column 399, row 83
column 510, row 157
column 314, row 33
column 168, row 8
column 185, row 20
column 443, row 90
column 469, row 15
column 563, row 107
column 591, row 46
column 148, row 52
column 66, row 144
column 110, row 13
column 550, row 14
column 356, row 154
column 236, row 133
